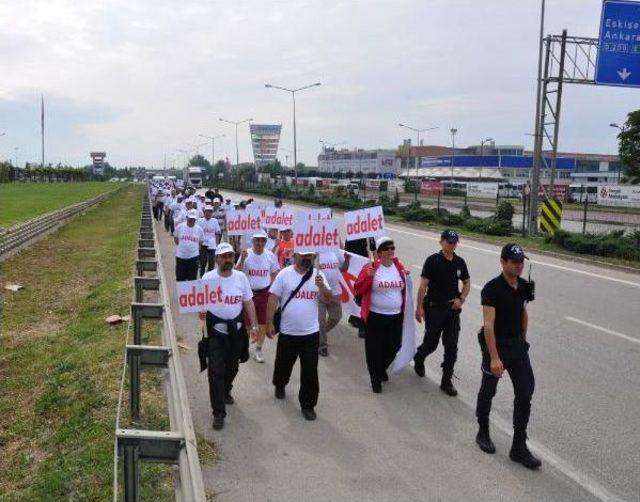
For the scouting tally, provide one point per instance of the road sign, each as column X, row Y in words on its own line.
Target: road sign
column 618, row 60
column 550, row 215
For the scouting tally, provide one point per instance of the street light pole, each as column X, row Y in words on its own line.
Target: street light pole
column 453, row 149
column 213, row 145
column 621, row 129
column 295, row 139
column 482, row 142
column 417, row 131
column 236, row 124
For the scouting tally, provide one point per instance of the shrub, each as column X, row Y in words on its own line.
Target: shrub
column 505, row 211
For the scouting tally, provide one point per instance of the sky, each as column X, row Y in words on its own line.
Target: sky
column 142, row 80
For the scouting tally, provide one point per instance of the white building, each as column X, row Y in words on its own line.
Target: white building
column 368, row 162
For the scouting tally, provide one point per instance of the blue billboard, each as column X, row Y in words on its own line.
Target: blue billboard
column 494, row 161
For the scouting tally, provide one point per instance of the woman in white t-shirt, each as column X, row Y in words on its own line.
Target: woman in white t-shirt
column 381, row 285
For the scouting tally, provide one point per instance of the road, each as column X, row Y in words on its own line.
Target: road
column 414, row 443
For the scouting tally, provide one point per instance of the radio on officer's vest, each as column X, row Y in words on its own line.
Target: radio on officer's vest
column 530, row 288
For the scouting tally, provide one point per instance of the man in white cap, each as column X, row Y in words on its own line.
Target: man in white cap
column 189, row 237
column 260, row 267
column 211, row 231
column 219, row 214
column 297, row 290
column 227, row 340
column 176, row 213
column 168, row 211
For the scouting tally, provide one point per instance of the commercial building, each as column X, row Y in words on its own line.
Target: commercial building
column 264, row 141
column 360, row 163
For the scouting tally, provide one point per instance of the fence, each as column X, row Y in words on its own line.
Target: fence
column 16, row 236
column 176, row 446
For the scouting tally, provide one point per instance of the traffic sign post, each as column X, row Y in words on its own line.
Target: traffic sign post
column 618, row 62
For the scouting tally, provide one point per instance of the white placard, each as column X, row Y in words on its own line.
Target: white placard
column 323, row 213
column 482, row 190
column 408, row 347
column 316, row 236
column 348, row 279
column 197, row 296
column 241, row 222
column 277, row 217
column 610, row 195
column 367, row 222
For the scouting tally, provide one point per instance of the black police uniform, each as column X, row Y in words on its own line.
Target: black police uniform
column 513, row 349
column 440, row 319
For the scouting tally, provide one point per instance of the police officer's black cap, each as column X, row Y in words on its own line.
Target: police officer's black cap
column 450, row 235
column 513, row 252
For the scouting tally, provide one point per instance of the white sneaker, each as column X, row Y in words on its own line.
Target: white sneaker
column 257, row 355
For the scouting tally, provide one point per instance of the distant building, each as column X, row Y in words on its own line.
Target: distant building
column 97, row 163
column 264, row 141
column 368, row 162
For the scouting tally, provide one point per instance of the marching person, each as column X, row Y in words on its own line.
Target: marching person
column 503, row 341
column 331, row 264
column 219, row 214
column 439, row 302
column 381, row 285
column 189, row 237
column 168, row 204
column 284, row 249
column 227, row 340
column 297, row 290
column 272, row 239
column 362, row 247
column 211, row 231
column 260, row 267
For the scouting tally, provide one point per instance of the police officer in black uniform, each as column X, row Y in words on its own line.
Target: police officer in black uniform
column 503, row 340
column 441, row 307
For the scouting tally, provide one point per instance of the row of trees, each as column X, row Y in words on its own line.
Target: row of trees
column 58, row 173
column 629, row 147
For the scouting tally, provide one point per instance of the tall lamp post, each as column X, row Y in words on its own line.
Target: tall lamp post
column 417, row 131
column 482, row 142
column 621, row 129
column 453, row 149
column 236, row 124
column 213, row 145
column 293, row 99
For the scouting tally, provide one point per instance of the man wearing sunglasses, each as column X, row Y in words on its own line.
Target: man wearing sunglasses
column 439, row 303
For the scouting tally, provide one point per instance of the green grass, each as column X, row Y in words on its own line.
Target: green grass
column 60, row 363
column 23, row 201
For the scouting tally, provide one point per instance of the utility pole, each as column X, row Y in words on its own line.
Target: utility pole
column 453, row 149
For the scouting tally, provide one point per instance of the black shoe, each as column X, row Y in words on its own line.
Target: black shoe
column 376, row 386
column 384, row 377
column 447, row 387
column 228, row 399
column 361, row 333
column 218, row 422
column 280, row 393
column 484, row 440
column 309, row 414
column 418, row 367
column 521, row 454
column 324, row 352
column 354, row 321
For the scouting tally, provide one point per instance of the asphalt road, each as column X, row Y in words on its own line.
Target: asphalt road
column 414, row 443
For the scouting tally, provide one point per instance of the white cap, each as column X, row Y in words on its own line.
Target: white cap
column 224, row 247
column 192, row 213
column 303, row 252
column 383, row 240
column 260, row 235
column 208, row 207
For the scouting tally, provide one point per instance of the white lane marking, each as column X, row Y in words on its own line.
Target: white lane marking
column 569, row 470
column 538, row 262
column 547, row 264
column 604, row 330
column 474, row 286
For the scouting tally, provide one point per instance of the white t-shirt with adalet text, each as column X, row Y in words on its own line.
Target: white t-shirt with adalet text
column 259, row 267
column 210, row 228
column 330, row 264
column 232, row 291
column 301, row 315
column 189, row 239
column 386, row 292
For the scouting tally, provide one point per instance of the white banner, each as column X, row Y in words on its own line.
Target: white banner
column 362, row 223
column 197, row 296
column 316, row 236
column 323, row 213
column 482, row 190
column 408, row 348
column 348, row 279
column 277, row 218
column 243, row 222
column 628, row 196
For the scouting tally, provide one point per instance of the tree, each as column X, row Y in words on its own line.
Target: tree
column 199, row 161
column 629, row 147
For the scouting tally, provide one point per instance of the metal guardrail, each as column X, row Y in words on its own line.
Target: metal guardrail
column 176, row 446
column 13, row 237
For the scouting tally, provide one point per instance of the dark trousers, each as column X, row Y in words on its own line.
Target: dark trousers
column 521, row 374
column 223, row 361
column 158, row 212
column 187, row 269
column 168, row 222
column 207, row 259
column 289, row 349
column 445, row 323
column 382, row 341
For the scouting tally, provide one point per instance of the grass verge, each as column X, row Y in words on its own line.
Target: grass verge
column 23, row 201
column 60, row 363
